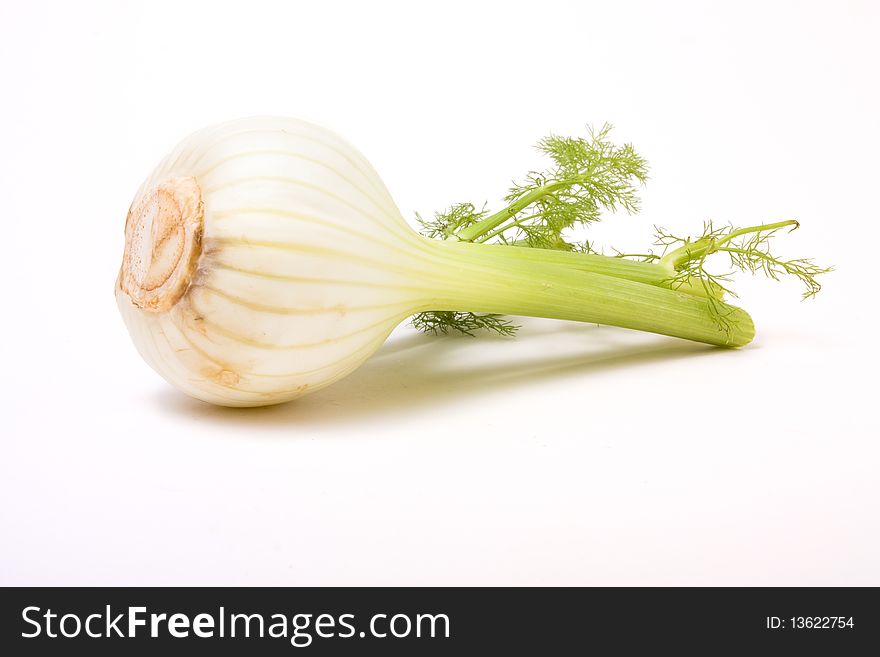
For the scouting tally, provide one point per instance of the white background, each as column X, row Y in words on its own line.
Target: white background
column 570, row 455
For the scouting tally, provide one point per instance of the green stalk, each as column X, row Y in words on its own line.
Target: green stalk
column 652, row 273
column 644, row 272
column 493, row 221
column 709, row 245
column 481, row 278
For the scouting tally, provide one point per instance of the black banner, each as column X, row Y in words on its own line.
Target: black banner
column 404, row 621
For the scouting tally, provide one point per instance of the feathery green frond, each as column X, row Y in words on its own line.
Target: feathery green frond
column 447, row 223
column 444, row 322
column 748, row 250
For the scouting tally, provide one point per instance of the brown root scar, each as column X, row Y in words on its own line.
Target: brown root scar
column 163, row 238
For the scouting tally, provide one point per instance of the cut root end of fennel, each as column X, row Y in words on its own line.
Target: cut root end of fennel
column 163, row 234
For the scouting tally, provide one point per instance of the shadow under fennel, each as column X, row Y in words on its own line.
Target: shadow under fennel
column 412, row 371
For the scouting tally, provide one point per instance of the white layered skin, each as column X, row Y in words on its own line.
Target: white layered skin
column 306, row 265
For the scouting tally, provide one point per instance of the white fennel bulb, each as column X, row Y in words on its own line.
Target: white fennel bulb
column 264, row 259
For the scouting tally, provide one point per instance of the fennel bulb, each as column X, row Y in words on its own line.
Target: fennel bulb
column 264, row 259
